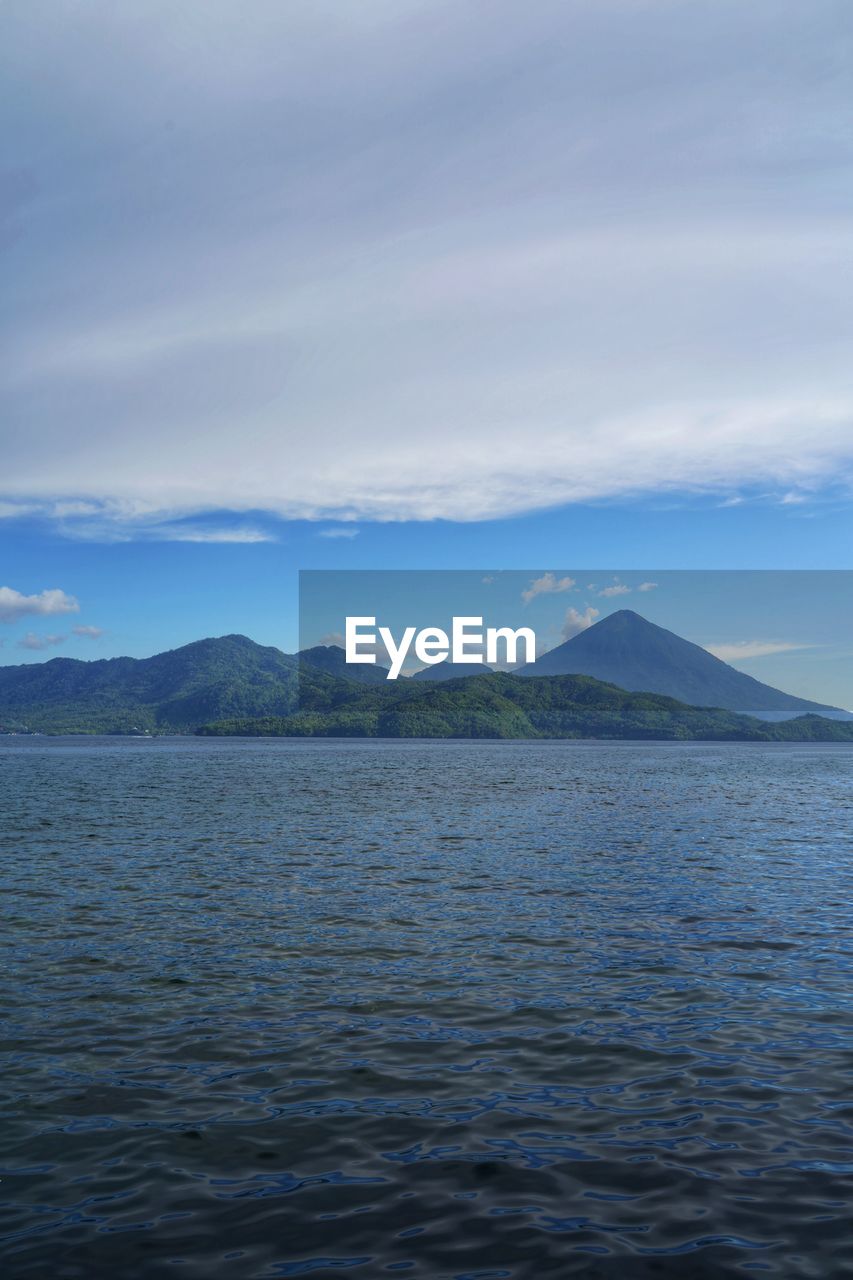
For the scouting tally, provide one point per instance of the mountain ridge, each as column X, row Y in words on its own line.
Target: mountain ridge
column 231, row 680
column 628, row 650
column 506, row 706
column 177, row 689
column 447, row 670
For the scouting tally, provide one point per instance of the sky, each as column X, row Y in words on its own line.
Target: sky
column 427, row 284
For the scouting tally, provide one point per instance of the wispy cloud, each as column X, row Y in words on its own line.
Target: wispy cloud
column 88, row 633
column 548, row 584
column 114, row 523
column 647, row 586
column 617, row 589
column 575, row 621
column 340, row 531
column 33, row 641
column 15, row 605
column 739, row 650
column 188, row 533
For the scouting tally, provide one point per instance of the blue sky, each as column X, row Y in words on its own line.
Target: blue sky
column 458, row 284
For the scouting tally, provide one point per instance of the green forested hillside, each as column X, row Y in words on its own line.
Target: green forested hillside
column 507, row 706
column 231, row 685
column 178, row 690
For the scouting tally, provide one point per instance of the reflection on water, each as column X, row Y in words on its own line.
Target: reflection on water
column 444, row 1009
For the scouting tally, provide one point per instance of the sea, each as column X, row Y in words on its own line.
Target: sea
column 448, row 1010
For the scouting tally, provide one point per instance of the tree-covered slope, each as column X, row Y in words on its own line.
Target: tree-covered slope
column 332, row 659
column 178, row 690
column 447, row 670
column 231, row 685
column 508, row 706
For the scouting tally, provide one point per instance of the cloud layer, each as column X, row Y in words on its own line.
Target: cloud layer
column 421, row 259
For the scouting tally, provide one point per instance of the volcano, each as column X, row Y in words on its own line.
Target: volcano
column 627, row 650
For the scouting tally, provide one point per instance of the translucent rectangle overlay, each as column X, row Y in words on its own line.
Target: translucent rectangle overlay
column 709, row 638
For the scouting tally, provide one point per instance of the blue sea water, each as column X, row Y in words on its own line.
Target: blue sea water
column 442, row 1009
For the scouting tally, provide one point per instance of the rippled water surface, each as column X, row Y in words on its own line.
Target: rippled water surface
column 443, row 1009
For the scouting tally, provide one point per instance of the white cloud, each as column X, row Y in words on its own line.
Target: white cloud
column 14, row 605
column 33, row 641
column 548, row 584
column 63, row 509
column 739, row 650
column 647, row 586
column 115, row 523
column 648, row 298
column 575, row 621
column 189, row 533
column 340, row 531
column 793, row 499
column 618, row 589
column 88, row 633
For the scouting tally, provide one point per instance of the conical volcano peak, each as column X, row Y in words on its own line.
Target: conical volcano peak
column 631, row 633
column 622, row 618
column 628, row 650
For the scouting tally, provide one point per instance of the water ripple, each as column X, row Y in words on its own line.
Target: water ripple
column 458, row 1011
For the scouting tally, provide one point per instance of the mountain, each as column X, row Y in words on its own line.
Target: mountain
column 448, row 670
column 510, row 706
column 332, row 659
column 177, row 690
column 635, row 654
column 230, row 685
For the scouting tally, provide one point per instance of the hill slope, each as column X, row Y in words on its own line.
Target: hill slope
column 629, row 651
column 332, row 659
column 448, row 670
column 510, row 706
column 232, row 685
column 178, row 690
